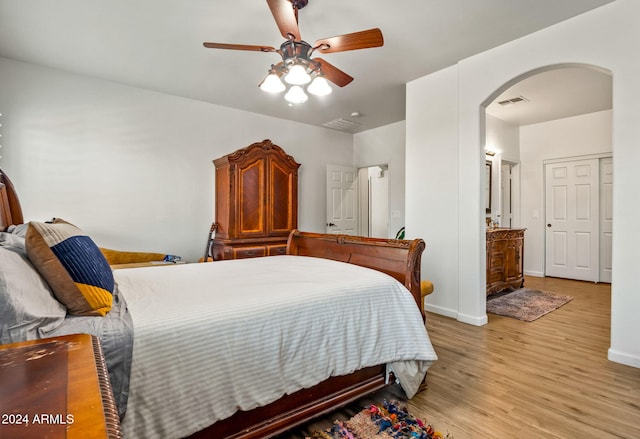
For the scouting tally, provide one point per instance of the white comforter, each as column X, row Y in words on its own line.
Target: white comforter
column 210, row 339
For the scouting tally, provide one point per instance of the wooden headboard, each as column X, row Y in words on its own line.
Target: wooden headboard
column 10, row 210
column 398, row 258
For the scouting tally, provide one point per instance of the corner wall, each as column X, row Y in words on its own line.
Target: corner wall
column 432, row 205
column 605, row 37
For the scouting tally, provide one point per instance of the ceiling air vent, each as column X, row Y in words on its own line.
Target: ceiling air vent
column 341, row 124
column 513, row 100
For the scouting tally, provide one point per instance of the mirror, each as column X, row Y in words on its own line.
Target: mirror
column 487, row 186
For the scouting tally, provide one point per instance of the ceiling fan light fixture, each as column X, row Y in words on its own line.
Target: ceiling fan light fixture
column 296, row 95
column 319, row 86
column 297, row 75
column 272, row 84
column 297, row 68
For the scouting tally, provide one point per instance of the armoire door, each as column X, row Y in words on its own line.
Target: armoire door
column 250, row 210
column 282, row 211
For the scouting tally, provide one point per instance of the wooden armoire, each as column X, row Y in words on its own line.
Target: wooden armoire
column 256, row 202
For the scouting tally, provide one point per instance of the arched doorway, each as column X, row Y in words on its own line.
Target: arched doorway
column 549, row 114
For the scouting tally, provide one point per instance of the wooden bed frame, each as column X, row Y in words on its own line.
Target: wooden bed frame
column 10, row 210
column 398, row 258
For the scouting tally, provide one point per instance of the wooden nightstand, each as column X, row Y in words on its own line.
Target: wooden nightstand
column 56, row 388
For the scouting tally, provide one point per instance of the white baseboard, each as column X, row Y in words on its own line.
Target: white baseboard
column 623, row 358
column 441, row 310
column 534, row 273
column 471, row 320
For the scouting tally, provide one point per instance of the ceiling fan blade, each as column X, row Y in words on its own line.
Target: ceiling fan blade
column 239, row 47
column 357, row 40
column 286, row 17
column 333, row 74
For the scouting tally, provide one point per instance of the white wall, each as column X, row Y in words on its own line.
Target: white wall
column 385, row 145
column 569, row 137
column 444, row 113
column 503, row 138
column 432, row 184
column 133, row 168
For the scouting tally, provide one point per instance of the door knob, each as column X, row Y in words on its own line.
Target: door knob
column 548, row 225
column 330, row 224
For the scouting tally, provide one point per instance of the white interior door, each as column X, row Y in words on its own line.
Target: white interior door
column 572, row 219
column 342, row 198
column 379, row 202
column 606, row 218
column 506, row 219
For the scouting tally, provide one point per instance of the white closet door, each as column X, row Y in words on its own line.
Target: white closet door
column 572, row 219
column 606, row 218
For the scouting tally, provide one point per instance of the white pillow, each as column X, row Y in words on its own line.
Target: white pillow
column 13, row 242
column 19, row 229
column 28, row 309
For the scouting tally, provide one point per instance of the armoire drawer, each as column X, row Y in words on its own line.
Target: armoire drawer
column 249, row 252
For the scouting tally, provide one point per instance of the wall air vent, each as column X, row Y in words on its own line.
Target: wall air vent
column 341, row 124
column 513, row 100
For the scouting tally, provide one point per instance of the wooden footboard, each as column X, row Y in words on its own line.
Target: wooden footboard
column 398, row 258
column 298, row 408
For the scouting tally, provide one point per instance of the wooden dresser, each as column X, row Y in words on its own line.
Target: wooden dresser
column 256, row 202
column 56, row 388
column 505, row 251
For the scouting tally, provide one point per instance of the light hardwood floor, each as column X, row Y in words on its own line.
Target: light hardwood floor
column 544, row 379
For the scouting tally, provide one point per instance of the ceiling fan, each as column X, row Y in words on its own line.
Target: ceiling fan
column 297, row 67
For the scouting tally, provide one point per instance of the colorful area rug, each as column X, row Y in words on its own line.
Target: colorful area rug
column 387, row 421
column 525, row 304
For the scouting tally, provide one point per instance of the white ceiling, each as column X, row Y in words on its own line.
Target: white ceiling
column 554, row 94
column 157, row 45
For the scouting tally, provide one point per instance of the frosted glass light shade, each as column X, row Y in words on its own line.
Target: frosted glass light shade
column 319, row 87
column 272, row 84
column 296, row 95
column 297, row 75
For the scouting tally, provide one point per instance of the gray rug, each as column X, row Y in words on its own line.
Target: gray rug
column 525, row 304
